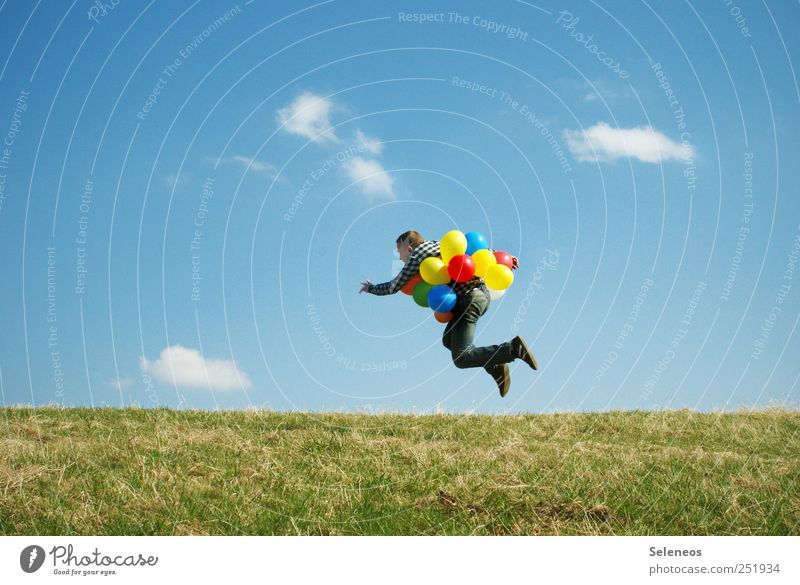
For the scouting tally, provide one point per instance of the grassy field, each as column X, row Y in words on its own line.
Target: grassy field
column 135, row 471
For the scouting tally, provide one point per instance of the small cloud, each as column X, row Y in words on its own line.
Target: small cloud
column 600, row 89
column 368, row 144
column 250, row 163
column 371, row 177
column 120, row 383
column 177, row 180
column 592, row 90
column 602, row 143
column 183, row 366
column 308, row 116
column 254, row 164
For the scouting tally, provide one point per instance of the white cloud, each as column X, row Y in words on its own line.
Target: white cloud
column 173, row 180
column 307, row 116
column 120, row 383
column 185, row 367
column 602, row 143
column 600, row 89
column 367, row 143
column 252, row 164
column 370, row 176
column 256, row 165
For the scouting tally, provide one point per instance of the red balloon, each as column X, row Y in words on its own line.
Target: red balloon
column 408, row 288
column 503, row 258
column 461, row 268
column 443, row 317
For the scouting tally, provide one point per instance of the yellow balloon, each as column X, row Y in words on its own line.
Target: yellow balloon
column 484, row 259
column 452, row 244
column 434, row 271
column 499, row 277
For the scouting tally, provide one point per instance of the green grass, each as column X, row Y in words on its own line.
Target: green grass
column 136, row 471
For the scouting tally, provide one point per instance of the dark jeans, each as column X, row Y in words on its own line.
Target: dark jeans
column 460, row 331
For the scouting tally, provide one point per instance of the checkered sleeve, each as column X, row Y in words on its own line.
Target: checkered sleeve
column 398, row 282
column 410, row 268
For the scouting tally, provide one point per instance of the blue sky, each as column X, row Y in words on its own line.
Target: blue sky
column 191, row 194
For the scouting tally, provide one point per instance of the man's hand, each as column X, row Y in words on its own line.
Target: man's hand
column 365, row 286
column 514, row 263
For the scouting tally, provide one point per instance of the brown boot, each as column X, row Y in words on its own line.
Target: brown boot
column 502, row 376
column 521, row 351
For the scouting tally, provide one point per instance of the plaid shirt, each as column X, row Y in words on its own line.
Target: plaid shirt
column 426, row 249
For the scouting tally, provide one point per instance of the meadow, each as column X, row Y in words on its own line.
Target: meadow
column 82, row 471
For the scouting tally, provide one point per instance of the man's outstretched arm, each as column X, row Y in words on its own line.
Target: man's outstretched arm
column 398, row 282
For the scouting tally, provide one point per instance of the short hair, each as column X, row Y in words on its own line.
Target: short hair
column 414, row 238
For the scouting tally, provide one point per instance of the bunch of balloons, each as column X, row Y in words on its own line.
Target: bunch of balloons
column 461, row 257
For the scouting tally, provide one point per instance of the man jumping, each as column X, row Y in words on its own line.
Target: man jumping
column 472, row 302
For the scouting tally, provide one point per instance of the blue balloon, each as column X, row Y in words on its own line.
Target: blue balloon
column 442, row 298
column 475, row 241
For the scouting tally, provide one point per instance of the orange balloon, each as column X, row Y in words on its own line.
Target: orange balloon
column 443, row 317
column 408, row 288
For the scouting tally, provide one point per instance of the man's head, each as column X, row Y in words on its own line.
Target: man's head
column 406, row 242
